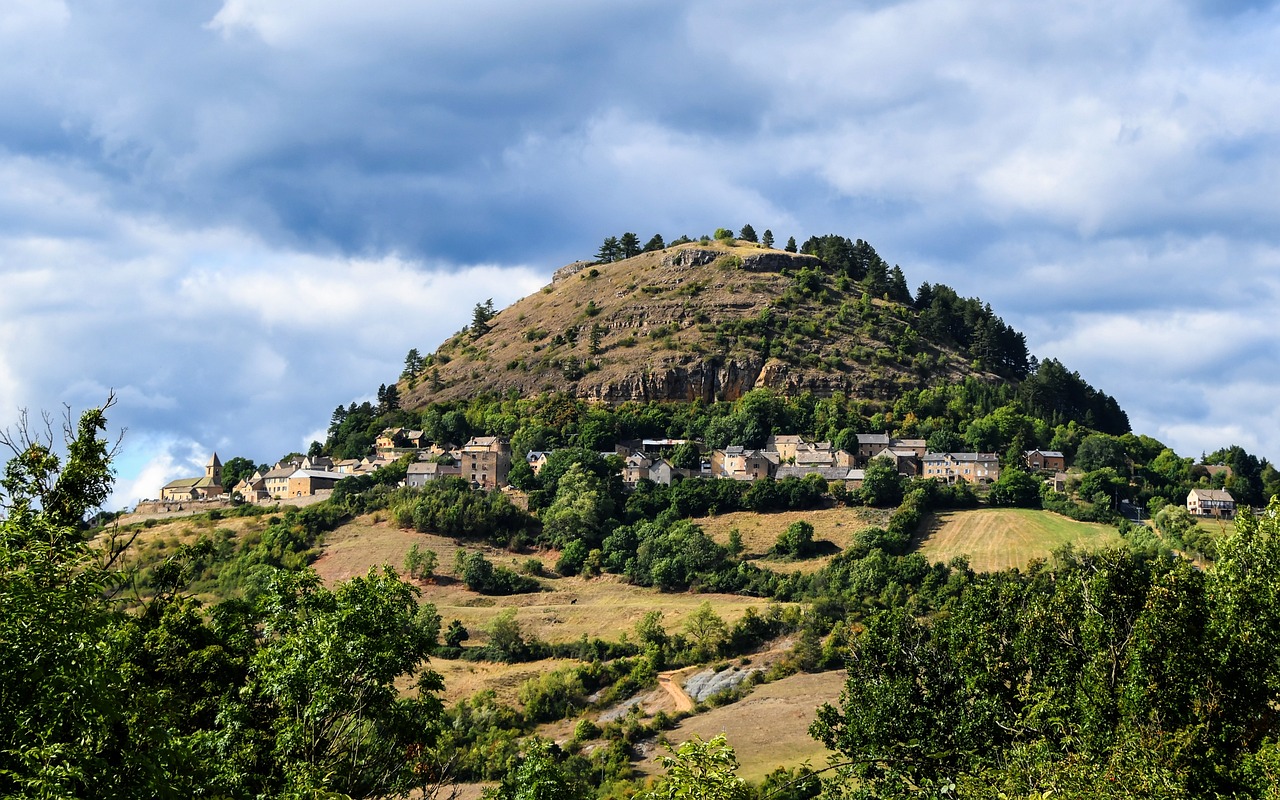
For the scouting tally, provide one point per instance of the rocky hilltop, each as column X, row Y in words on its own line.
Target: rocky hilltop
column 699, row 321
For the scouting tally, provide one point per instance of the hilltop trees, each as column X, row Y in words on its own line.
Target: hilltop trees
column 610, row 250
column 480, row 316
column 616, row 248
column 413, row 365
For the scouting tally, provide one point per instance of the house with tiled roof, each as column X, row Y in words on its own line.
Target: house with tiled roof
column 904, row 460
column 1045, row 460
column 423, row 472
column 742, row 464
column 1211, row 503
column 307, row 482
column 976, row 468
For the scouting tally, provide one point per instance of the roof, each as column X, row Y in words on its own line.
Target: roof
column 786, row 438
column 873, row 438
column 483, row 441
column 183, row 483
column 961, row 456
column 1221, row 495
column 433, row 468
column 316, row 474
column 279, row 472
column 1045, row 453
column 813, row 457
column 830, row 473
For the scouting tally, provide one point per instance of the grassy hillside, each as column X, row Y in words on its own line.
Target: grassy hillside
column 834, row 530
column 995, row 539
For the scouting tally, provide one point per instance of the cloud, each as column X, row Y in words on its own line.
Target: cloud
column 239, row 214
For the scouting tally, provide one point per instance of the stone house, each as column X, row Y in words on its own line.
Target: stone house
column 486, row 460
column 1211, row 503
column 905, row 461
column 306, row 482
column 784, row 445
column 741, row 464
column 537, row 459
column 276, row 481
column 423, row 472
column 976, row 468
column 1045, row 460
column 871, row 443
column 252, row 489
column 635, row 469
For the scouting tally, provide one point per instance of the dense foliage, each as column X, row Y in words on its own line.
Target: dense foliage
column 1118, row 673
column 291, row 695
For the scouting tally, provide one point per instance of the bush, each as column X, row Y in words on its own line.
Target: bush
column 480, row 575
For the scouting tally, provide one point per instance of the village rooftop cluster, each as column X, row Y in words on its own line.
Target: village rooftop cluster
column 485, row 462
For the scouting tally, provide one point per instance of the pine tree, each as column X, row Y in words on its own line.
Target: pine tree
column 480, row 317
column 791, row 245
column 413, row 364
column 656, row 243
column 898, row 286
column 767, row 240
column 610, row 251
column 629, row 245
column 748, row 234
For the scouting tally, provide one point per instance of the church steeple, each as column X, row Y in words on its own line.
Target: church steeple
column 213, row 470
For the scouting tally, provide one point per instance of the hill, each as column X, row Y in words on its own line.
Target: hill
column 710, row 321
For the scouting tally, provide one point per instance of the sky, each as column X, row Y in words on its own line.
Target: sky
column 239, row 214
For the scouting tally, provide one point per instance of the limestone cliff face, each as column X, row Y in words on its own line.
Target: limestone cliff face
column 694, row 379
column 725, row 379
column 693, row 322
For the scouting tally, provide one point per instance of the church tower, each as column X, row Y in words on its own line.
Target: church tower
column 213, row 471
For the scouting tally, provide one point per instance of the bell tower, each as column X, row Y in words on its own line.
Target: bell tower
column 213, row 470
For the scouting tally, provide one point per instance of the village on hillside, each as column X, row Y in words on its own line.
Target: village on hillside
column 485, row 462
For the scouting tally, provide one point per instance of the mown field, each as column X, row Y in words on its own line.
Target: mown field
column 994, row 539
column 836, row 526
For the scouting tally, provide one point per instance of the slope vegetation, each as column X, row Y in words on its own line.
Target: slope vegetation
column 693, row 322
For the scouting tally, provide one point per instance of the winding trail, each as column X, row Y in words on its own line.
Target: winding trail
column 668, row 682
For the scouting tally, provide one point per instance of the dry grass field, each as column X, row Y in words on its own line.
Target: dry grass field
column 463, row 679
column 769, row 728
column 604, row 607
column 760, row 532
column 995, row 539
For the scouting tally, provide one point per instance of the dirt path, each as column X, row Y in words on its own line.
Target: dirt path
column 667, row 681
